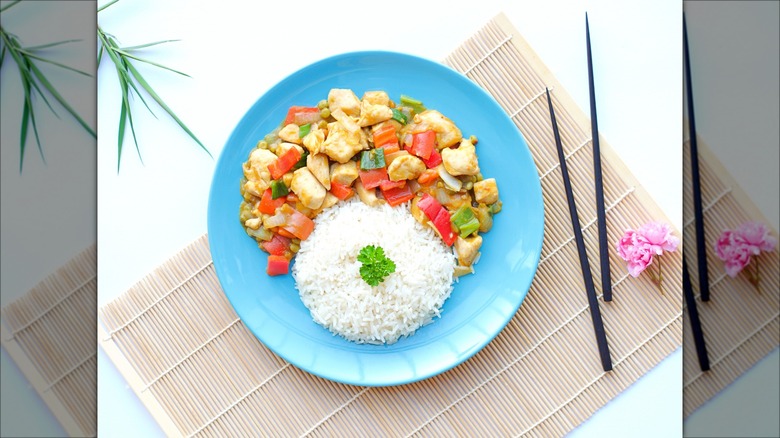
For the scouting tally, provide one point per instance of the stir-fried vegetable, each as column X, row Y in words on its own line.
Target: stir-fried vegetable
column 382, row 151
column 284, row 163
column 372, row 159
column 278, row 189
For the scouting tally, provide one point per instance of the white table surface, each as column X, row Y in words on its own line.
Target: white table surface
column 235, row 52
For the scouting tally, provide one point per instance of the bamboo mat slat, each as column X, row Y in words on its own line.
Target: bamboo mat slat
column 740, row 325
column 199, row 371
column 50, row 333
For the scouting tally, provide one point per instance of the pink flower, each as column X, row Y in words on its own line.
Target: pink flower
column 636, row 250
column 757, row 236
column 639, row 247
column 735, row 247
column 734, row 250
column 660, row 237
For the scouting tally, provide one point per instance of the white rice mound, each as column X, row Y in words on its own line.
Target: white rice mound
column 327, row 273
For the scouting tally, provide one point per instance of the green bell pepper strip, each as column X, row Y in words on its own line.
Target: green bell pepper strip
column 465, row 221
column 372, row 159
column 278, row 189
column 301, row 162
column 412, row 103
column 304, row 130
column 399, row 116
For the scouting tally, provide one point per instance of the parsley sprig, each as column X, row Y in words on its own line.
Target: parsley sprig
column 376, row 266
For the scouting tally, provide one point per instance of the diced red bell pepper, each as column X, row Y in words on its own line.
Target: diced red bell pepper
column 277, row 245
column 341, row 191
column 297, row 223
column 397, row 195
column 301, row 115
column 390, row 148
column 442, row 224
column 428, row 177
column 423, row 143
column 385, row 135
column 277, row 265
column 268, row 205
column 429, row 205
column 371, row 179
column 284, row 163
column 439, row 216
column 387, row 185
column 434, row 160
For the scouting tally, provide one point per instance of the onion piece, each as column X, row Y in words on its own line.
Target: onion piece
column 450, row 181
column 276, row 220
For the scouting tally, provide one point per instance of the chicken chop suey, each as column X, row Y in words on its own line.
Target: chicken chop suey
column 383, row 151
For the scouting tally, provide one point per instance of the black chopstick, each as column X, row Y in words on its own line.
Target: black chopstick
column 693, row 314
column 698, row 213
column 593, row 302
column 606, row 280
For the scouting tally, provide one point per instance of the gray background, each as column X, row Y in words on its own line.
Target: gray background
column 734, row 66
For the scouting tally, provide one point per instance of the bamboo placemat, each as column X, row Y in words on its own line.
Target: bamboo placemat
column 49, row 333
column 740, row 325
column 198, row 369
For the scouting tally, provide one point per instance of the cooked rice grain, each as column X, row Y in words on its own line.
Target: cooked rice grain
column 326, row 272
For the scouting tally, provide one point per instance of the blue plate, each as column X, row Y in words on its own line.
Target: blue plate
column 480, row 305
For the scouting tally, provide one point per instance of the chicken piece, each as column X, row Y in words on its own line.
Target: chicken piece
column 418, row 214
column 313, row 140
column 310, row 192
column 461, row 161
column 344, row 173
column 447, row 134
column 256, row 167
column 287, row 178
column 290, row 133
column 285, row 146
column 344, row 99
column 376, row 98
column 253, row 223
column 341, row 144
column 368, row 196
column 486, row 191
column 405, row 167
column 257, row 187
column 374, row 108
column 318, row 165
column 330, row 201
column 467, row 249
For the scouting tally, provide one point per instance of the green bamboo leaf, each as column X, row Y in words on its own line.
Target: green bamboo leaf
column 46, row 46
column 28, row 117
column 132, row 125
column 23, row 135
column 42, row 59
column 11, row 4
column 2, row 56
column 60, row 99
column 121, row 67
column 107, row 5
column 129, row 55
column 100, row 55
column 142, row 46
column 138, row 77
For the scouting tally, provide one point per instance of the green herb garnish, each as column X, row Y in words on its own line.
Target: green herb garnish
column 376, row 266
